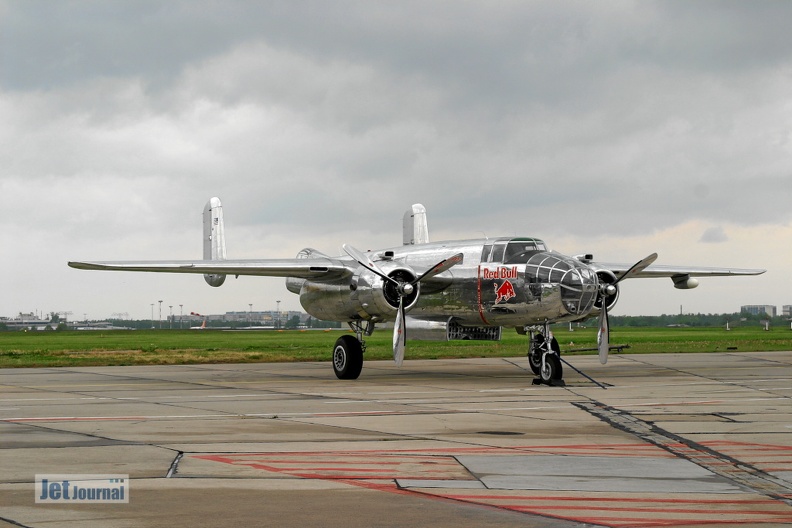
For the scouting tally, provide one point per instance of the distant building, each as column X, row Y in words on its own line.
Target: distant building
column 272, row 319
column 759, row 309
column 786, row 310
column 30, row 321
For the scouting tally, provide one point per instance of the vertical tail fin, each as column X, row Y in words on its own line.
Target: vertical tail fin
column 214, row 238
column 414, row 227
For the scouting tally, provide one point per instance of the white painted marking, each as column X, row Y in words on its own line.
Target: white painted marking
column 48, row 399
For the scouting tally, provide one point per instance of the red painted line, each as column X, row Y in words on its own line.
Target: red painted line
column 746, row 445
column 441, row 452
column 688, row 511
column 640, row 521
column 478, row 297
column 353, row 463
column 544, row 498
column 348, row 477
column 340, row 469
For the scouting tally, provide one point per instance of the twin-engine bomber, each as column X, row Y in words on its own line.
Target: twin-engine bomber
column 462, row 289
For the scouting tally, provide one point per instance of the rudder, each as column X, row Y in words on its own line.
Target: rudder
column 214, row 238
column 415, row 229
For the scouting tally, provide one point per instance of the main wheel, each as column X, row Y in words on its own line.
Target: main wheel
column 347, row 357
column 552, row 370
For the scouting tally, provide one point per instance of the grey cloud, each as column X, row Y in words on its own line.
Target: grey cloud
column 714, row 235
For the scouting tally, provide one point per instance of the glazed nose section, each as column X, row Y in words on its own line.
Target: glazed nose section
column 577, row 283
column 579, row 287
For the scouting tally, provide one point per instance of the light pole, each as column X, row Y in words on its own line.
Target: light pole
column 160, row 314
column 152, row 315
column 170, row 319
column 181, row 315
column 250, row 315
column 277, row 314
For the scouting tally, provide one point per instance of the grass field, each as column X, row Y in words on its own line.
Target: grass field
column 165, row 347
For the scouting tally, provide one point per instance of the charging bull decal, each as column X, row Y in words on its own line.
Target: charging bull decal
column 504, row 292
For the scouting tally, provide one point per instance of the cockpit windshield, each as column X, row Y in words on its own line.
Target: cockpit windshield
column 512, row 251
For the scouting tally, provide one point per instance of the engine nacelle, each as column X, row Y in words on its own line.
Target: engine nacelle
column 684, row 282
column 366, row 296
column 214, row 279
column 607, row 280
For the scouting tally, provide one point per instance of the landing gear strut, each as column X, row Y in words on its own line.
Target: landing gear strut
column 544, row 357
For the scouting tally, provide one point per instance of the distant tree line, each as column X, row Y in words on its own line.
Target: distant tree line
column 708, row 320
column 289, row 324
column 694, row 320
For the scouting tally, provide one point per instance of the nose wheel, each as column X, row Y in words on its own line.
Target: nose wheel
column 544, row 358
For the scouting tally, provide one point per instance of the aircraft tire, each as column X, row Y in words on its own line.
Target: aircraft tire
column 552, row 371
column 535, row 356
column 347, row 357
column 535, row 361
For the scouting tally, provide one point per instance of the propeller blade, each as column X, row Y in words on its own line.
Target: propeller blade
column 440, row 267
column 399, row 335
column 603, row 336
column 638, row 267
column 365, row 261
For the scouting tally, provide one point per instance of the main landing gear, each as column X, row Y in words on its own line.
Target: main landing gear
column 348, row 352
column 544, row 357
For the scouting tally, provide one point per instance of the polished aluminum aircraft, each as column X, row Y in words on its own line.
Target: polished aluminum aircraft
column 462, row 289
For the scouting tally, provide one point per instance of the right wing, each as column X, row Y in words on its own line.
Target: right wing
column 664, row 270
column 301, row 268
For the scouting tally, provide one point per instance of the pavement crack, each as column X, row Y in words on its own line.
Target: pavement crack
column 14, row 523
column 713, row 461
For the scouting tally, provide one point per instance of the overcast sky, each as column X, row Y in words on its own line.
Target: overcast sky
column 616, row 128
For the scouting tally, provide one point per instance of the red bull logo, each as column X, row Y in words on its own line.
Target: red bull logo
column 504, row 292
column 499, row 273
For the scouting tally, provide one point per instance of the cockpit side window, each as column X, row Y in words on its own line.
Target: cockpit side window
column 485, row 253
column 497, row 252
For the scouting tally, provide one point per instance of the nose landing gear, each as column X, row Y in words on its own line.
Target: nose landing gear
column 544, row 357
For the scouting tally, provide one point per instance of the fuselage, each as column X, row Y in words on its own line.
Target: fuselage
column 501, row 282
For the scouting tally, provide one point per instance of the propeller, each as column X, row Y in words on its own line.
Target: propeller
column 403, row 289
column 609, row 290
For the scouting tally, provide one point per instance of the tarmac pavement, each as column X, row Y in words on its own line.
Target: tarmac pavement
column 674, row 440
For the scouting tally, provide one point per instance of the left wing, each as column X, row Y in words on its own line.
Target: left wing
column 312, row 268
